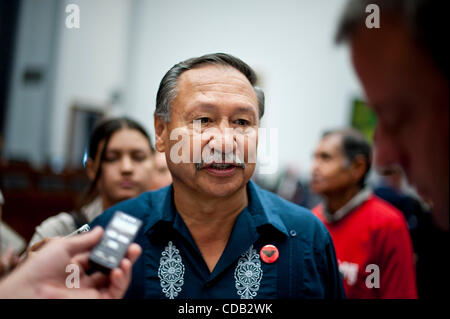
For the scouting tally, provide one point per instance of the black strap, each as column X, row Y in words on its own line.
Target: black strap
column 79, row 219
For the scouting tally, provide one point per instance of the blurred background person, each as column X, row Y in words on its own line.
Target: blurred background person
column 11, row 244
column 403, row 68
column 119, row 165
column 365, row 229
column 392, row 188
column 161, row 175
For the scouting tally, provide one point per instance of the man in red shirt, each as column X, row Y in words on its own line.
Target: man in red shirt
column 371, row 238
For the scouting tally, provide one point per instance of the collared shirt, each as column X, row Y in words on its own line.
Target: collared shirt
column 352, row 204
column 171, row 265
column 374, row 250
column 63, row 224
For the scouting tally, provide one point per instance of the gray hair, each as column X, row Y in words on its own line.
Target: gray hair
column 168, row 87
column 425, row 20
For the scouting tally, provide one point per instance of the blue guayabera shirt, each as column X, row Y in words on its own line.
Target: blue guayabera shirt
column 171, row 265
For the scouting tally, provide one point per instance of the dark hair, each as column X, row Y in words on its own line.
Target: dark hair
column 168, row 87
column 426, row 21
column 354, row 144
column 103, row 132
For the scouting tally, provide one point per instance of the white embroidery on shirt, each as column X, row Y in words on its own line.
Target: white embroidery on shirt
column 248, row 274
column 171, row 271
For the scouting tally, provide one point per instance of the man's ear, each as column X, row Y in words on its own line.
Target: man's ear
column 161, row 131
column 90, row 169
column 359, row 166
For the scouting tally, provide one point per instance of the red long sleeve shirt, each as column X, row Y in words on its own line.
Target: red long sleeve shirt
column 373, row 240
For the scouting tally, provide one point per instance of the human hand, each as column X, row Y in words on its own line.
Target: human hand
column 36, row 247
column 44, row 275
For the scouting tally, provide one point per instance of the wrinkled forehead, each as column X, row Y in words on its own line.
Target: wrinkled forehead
column 215, row 79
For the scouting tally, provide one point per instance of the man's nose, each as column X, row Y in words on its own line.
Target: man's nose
column 223, row 141
column 314, row 166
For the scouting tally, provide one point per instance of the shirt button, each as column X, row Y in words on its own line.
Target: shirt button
column 293, row 233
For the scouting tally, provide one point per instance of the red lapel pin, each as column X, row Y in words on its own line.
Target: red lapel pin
column 269, row 254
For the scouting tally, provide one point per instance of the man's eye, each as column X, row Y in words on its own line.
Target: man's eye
column 204, row 120
column 242, row 122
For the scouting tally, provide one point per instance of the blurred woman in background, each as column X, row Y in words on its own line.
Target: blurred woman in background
column 120, row 166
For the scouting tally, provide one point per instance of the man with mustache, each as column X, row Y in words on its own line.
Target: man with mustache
column 213, row 233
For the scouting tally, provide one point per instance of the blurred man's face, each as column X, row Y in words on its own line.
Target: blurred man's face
column 218, row 100
column 410, row 97
column 330, row 172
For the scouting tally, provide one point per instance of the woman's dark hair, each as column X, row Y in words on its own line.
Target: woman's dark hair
column 103, row 132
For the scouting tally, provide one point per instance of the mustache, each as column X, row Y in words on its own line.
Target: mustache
column 224, row 158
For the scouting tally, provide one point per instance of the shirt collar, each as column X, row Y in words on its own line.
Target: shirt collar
column 163, row 211
column 353, row 203
column 162, row 207
column 261, row 209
